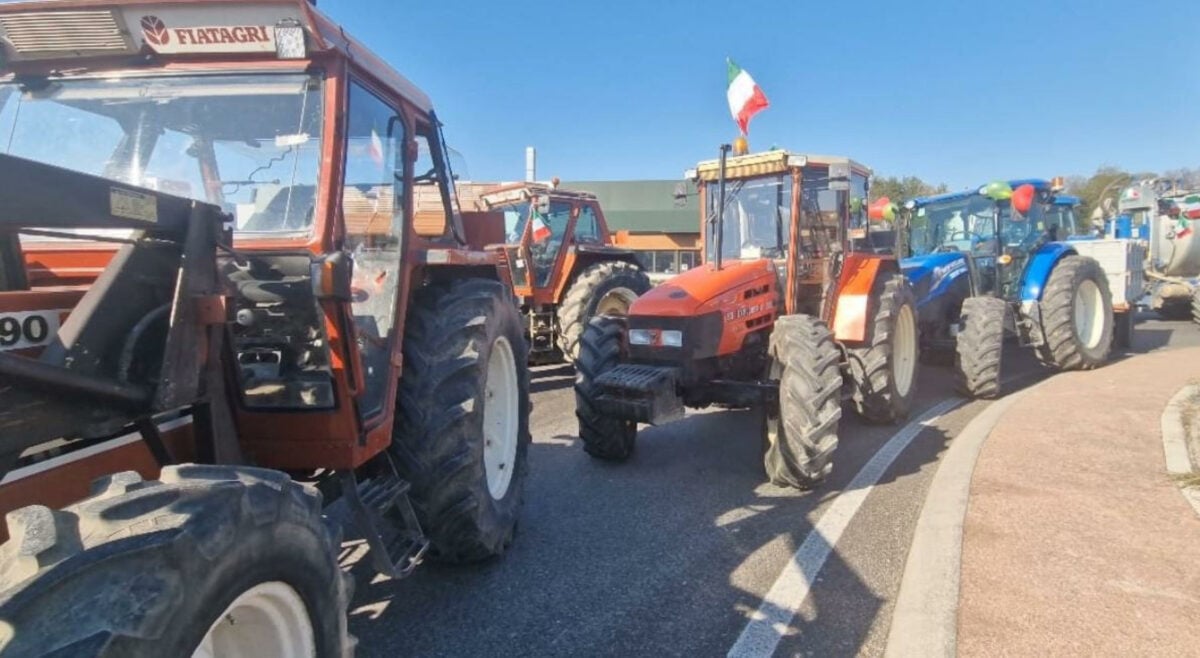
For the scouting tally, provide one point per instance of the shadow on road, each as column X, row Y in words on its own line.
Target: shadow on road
column 551, row 378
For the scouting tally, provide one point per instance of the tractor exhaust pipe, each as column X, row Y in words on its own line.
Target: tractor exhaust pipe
column 530, row 164
column 719, row 218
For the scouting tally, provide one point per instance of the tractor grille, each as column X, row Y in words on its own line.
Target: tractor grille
column 48, row 34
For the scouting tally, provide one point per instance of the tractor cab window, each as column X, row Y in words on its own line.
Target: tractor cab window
column 1060, row 220
column 547, row 232
column 824, row 212
column 757, row 217
column 435, row 202
column 373, row 208
column 248, row 143
column 586, row 229
column 965, row 223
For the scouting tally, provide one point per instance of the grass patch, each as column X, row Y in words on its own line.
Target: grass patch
column 1187, row 480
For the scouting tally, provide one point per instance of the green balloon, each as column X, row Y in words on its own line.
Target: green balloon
column 997, row 190
column 856, row 204
column 889, row 212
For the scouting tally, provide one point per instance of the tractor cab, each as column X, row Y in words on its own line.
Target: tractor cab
column 563, row 266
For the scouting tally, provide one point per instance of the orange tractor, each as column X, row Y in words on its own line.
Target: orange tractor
column 788, row 312
column 236, row 312
column 563, row 265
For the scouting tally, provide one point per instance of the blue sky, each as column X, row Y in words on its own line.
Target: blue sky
column 958, row 92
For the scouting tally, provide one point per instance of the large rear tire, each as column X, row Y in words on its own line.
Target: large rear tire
column 800, row 434
column 605, row 288
column 979, row 348
column 462, row 434
column 883, row 373
column 601, row 348
column 1077, row 315
column 208, row 560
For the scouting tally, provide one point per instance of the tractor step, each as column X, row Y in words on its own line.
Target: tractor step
column 385, row 517
column 645, row 393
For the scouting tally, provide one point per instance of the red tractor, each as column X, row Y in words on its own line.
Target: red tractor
column 236, row 313
column 784, row 317
column 564, row 268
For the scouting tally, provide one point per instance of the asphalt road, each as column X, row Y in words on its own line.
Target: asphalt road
column 672, row 552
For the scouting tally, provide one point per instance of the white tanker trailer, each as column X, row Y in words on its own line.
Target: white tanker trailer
column 1168, row 221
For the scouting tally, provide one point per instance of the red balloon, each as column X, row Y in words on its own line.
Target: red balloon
column 875, row 210
column 1022, row 198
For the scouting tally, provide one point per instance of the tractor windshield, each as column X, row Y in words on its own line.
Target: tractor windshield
column 248, row 143
column 757, row 217
column 955, row 224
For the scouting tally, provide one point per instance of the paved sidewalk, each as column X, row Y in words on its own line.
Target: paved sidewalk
column 1075, row 541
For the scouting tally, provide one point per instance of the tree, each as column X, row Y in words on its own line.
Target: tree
column 901, row 189
column 1106, row 183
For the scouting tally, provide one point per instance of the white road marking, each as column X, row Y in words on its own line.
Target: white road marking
column 769, row 623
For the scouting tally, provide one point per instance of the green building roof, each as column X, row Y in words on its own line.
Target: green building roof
column 644, row 205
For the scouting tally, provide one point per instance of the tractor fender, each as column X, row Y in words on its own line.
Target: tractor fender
column 852, row 309
column 1037, row 270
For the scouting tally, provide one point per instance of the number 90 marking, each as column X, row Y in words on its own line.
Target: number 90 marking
column 33, row 329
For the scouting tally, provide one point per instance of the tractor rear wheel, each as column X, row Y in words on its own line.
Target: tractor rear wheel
column 980, row 347
column 462, row 431
column 801, row 432
column 1077, row 315
column 601, row 348
column 605, row 288
column 206, row 561
column 883, row 373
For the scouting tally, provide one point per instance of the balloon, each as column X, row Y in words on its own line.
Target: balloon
column 997, row 190
column 1022, row 198
column 856, row 204
column 878, row 208
column 889, row 212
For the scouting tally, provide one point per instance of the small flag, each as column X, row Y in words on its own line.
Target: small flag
column 540, row 230
column 1183, row 229
column 745, row 97
column 376, row 148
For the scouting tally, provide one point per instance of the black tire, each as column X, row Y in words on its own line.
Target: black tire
column 979, row 349
column 578, row 306
column 879, row 396
column 1062, row 347
column 601, row 347
column 439, row 440
column 806, row 362
column 146, row 568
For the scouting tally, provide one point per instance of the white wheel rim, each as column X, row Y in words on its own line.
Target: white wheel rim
column 904, row 350
column 269, row 619
column 1089, row 314
column 616, row 302
column 500, row 418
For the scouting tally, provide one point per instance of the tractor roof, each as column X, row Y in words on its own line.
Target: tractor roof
column 768, row 162
column 1037, row 183
column 515, row 192
column 49, row 34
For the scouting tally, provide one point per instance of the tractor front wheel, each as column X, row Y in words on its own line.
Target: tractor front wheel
column 1077, row 315
column 979, row 347
column 606, row 288
column 462, row 432
column 883, row 373
column 601, row 348
column 206, row 561
column 800, row 432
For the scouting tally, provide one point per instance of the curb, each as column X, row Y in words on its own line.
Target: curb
column 925, row 619
column 1175, row 451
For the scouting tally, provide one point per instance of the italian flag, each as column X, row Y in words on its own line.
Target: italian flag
column 745, row 97
column 540, row 230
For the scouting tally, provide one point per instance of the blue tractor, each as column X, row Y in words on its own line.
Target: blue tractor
column 995, row 262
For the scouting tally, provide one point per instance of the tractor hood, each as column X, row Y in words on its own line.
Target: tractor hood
column 932, row 274
column 698, row 289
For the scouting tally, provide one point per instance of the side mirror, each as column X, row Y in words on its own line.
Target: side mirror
column 681, row 194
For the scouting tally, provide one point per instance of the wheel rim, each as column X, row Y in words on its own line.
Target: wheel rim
column 904, row 350
column 500, row 418
column 269, row 619
column 616, row 302
column 1089, row 314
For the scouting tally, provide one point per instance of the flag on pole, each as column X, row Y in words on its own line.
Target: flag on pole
column 745, row 97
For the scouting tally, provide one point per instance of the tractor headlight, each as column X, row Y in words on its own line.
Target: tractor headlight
column 656, row 337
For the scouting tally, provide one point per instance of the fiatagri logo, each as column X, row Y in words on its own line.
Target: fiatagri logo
column 231, row 38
